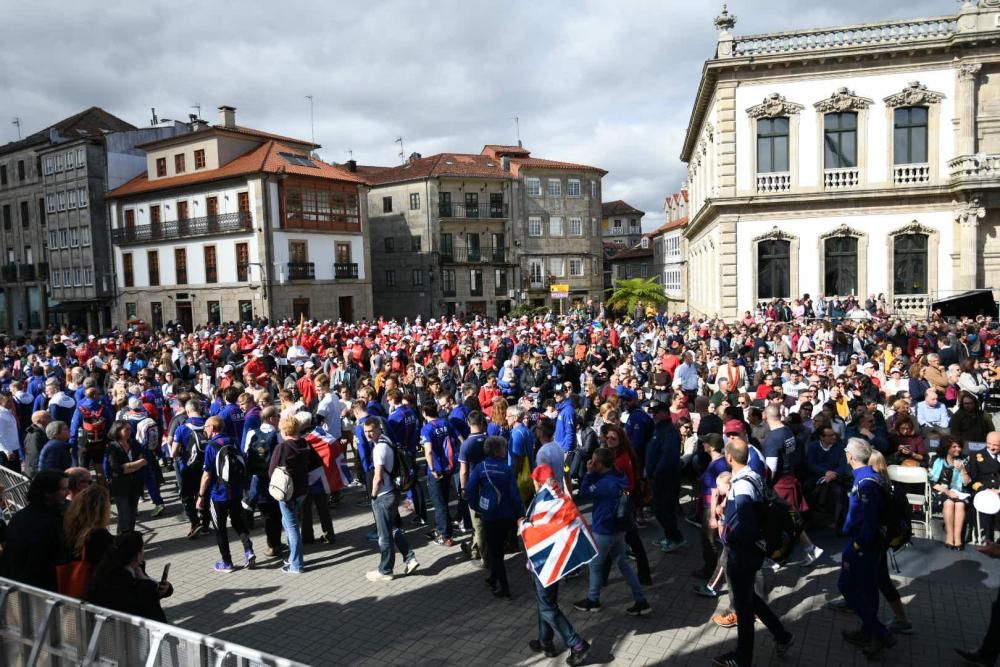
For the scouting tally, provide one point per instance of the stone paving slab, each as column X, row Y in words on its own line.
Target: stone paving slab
column 443, row 613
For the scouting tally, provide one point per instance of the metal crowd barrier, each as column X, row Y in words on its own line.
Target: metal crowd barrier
column 15, row 495
column 40, row 628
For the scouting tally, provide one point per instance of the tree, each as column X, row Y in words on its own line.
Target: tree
column 630, row 291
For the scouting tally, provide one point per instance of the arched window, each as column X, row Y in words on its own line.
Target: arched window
column 773, row 269
column 840, row 263
column 910, row 264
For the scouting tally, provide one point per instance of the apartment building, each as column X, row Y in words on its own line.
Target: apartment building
column 635, row 262
column 54, row 180
column 230, row 224
column 846, row 161
column 621, row 224
column 670, row 252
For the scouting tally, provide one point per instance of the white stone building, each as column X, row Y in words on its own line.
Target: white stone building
column 858, row 160
column 228, row 224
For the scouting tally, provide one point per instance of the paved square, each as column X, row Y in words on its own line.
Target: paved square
column 443, row 614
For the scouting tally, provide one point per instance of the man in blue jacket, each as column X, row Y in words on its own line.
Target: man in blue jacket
column 404, row 428
column 860, row 561
column 566, row 421
column 639, row 426
column 663, row 469
column 740, row 533
column 607, row 486
column 440, row 444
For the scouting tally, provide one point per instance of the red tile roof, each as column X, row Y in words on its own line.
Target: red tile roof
column 239, row 129
column 516, row 164
column 443, row 164
column 265, row 158
column 500, row 150
column 670, row 226
column 618, row 207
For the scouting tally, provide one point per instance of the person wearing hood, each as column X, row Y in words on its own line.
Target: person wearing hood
column 61, row 405
column 22, row 404
column 10, row 443
column 93, row 417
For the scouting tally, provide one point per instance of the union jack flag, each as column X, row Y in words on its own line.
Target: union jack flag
column 555, row 535
column 335, row 474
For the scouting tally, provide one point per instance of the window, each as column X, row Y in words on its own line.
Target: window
column 553, row 187
column 25, row 214
column 243, row 202
column 840, row 140
column 573, row 187
column 644, row 270
column 62, row 201
column 472, row 204
column 242, row 262
column 127, row 274
column 214, row 313
column 840, row 262
column 179, row 163
column 772, row 145
column 618, row 226
column 444, row 204
column 154, row 215
column 72, row 199
column 74, row 238
column 130, row 218
column 390, row 244
column 773, row 269
column 536, row 271
column 909, row 253
column 387, row 204
column 47, row 165
column 50, row 203
column 575, row 267
column 161, row 167
column 475, row 282
column 180, row 266
column 6, row 217
column 328, row 207
column 199, row 158
column 246, row 310
column 448, row 282
column 77, row 277
column 576, row 226
column 414, row 201
column 496, row 205
column 500, row 282
column 672, row 280
column 555, row 226
column 130, row 310
column 211, row 268
column 156, row 315
column 88, row 276
column 81, row 157
column 390, row 278
column 910, row 135
column 418, row 277
column 70, row 162
column 211, row 206
column 67, row 278
column 557, row 265
column 153, row 262
column 182, row 210
column 63, row 238
column 85, row 236
column 29, row 258
column 534, row 226
column 447, row 246
column 593, row 189
column 53, row 238
column 474, row 250
column 3, row 174
column 533, row 186
column 499, row 247
column 21, row 175
column 60, row 162
column 56, row 278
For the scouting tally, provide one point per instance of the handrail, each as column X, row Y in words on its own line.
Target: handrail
column 151, row 643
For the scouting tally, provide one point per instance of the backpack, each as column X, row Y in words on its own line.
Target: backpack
column 897, row 517
column 230, row 467
column 778, row 524
column 94, row 424
column 147, row 434
column 196, row 446
column 489, row 497
column 402, row 466
column 281, row 487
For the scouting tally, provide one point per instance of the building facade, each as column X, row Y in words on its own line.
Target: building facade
column 670, row 252
column 846, row 161
column 53, row 178
column 621, row 224
column 230, row 224
column 634, row 262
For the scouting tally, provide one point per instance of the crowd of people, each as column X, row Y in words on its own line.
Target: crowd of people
column 649, row 421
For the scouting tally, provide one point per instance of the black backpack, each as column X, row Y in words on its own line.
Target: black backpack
column 196, row 446
column 897, row 516
column 230, row 469
column 402, row 465
column 778, row 524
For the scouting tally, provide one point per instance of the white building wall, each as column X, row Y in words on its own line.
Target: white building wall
column 322, row 252
column 875, row 86
column 225, row 257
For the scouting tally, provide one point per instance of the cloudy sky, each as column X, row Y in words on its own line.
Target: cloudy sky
column 603, row 83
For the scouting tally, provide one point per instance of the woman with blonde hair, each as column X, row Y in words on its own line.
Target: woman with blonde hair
column 86, row 523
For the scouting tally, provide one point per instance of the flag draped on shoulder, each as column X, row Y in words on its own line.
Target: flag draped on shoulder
column 335, row 474
column 556, row 537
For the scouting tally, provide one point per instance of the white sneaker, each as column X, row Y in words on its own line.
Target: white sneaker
column 812, row 555
column 411, row 565
column 375, row 575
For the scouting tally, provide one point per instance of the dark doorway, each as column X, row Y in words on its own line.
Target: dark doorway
column 300, row 309
column 345, row 306
column 184, row 317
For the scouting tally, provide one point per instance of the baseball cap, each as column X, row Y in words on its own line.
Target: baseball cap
column 733, row 426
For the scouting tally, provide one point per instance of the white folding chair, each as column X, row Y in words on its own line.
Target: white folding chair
column 984, row 502
column 916, row 476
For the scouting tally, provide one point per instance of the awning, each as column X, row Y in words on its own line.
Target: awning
column 971, row 304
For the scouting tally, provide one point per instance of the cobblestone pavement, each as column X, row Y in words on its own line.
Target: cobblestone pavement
column 443, row 614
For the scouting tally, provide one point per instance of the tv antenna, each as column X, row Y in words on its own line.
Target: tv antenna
column 17, row 122
column 402, row 151
column 517, row 129
column 197, row 107
column 312, row 123
column 350, row 154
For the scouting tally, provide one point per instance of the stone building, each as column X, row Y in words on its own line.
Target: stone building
column 54, row 181
column 636, row 262
column 229, row 223
column 480, row 233
column 621, row 224
column 857, row 160
column 669, row 252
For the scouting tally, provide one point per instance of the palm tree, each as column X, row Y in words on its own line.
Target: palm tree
column 630, row 291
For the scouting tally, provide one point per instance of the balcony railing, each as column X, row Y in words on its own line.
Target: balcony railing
column 888, row 33
column 449, row 291
column 911, row 174
column 25, row 272
column 345, row 270
column 975, row 167
column 484, row 210
column 301, row 271
column 841, row 179
column 9, row 273
column 911, row 304
column 777, row 181
column 226, row 223
column 480, row 255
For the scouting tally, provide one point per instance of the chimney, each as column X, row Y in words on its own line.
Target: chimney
column 352, row 165
column 414, row 156
column 227, row 116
